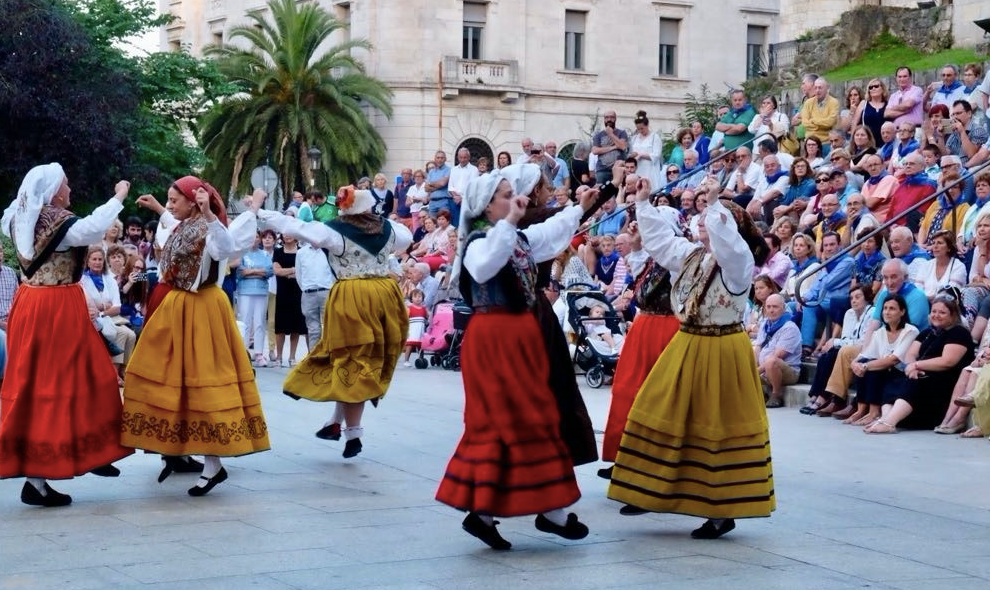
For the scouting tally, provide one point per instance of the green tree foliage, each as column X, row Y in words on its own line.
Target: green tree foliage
column 293, row 95
column 697, row 107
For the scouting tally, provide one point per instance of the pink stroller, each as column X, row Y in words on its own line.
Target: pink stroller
column 436, row 340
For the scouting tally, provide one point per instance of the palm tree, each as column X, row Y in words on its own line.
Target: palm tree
column 293, row 98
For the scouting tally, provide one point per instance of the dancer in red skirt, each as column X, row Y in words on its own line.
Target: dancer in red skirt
column 60, row 411
column 511, row 460
column 652, row 329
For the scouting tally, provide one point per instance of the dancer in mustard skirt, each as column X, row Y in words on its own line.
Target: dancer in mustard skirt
column 365, row 321
column 696, row 441
column 189, row 388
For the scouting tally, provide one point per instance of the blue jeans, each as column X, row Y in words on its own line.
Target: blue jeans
column 830, row 311
column 445, row 203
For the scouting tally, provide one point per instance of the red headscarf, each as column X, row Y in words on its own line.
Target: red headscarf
column 187, row 185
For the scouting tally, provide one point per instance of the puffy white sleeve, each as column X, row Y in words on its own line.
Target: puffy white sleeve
column 549, row 238
column 487, row 255
column 403, row 237
column 243, row 231
column 729, row 248
column 90, row 229
column 659, row 239
column 219, row 242
column 314, row 232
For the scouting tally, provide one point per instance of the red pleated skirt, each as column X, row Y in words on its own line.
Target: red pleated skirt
column 644, row 343
column 511, row 460
column 60, row 408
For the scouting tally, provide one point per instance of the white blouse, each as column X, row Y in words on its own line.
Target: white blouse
column 90, row 229
column 321, row 235
column 927, row 278
column 854, row 328
column 487, row 255
column 880, row 347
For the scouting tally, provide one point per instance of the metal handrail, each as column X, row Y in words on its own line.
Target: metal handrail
column 703, row 167
column 856, row 242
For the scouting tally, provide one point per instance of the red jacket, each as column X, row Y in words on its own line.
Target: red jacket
column 909, row 193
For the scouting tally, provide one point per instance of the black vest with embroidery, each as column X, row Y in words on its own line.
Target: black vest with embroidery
column 514, row 287
column 653, row 289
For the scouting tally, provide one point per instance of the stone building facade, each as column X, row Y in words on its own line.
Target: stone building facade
column 491, row 72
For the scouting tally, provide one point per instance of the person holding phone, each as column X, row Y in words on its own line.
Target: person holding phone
column 610, row 145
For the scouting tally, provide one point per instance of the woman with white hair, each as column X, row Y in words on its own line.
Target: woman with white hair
column 365, row 317
column 511, row 460
column 56, row 424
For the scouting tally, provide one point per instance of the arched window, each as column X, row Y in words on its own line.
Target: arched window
column 566, row 151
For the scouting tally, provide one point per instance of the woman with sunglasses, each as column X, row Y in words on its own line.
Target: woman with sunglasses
column 920, row 397
column 870, row 112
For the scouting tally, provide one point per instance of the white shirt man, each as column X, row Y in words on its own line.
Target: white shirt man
column 315, row 279
column 461, row 174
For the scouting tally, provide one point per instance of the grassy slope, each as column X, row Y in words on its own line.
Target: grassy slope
column 883, row 60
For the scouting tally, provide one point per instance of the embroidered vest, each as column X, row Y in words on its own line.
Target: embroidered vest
column 514, row 287
column 182, row 255
column 700, row 297
column 653, row 289
column 50, row 267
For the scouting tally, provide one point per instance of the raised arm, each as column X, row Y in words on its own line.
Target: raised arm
column 659, row 239
column 548, row 239
column 729, row 248
column 90, row 229
column 314, row 232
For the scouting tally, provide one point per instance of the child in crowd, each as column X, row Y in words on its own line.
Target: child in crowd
column 599, row 330
column 417, row 322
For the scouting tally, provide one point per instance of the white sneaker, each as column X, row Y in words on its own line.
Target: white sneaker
column 407, row 364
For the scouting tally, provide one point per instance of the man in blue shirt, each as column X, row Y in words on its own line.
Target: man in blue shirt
column 436, row 185
column 829, row 292
column 778, row 349
column 563, row 176
column 611, row 223
column 895, row 280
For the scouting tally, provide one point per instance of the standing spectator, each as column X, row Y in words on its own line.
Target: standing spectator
column 384, row 198
column 504, row 159
column 701, row 141
column 847, row 116
column 460, row 175
column 647, row 148
column 820, row 113
column 870, row 112
column 949, row 91
column 134, row 231
column 548, row 165
column 403, row 183
column 735, row 124
column 563, row 176
column 437, row 181
column 769, row 121
column 718, row 137
column 252, row 300
column 609, row 145
column 906, row 104
column 317, row 207
column 416, row 198
column 778, row 350
column 807, row 91
column 974, row 93
column 315, row 279
column 289, row 319
column 580, row 173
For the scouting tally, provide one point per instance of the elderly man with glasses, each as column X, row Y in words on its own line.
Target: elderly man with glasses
column 914, row 187
column 967, row 137
column 949, row 91
column 879, row 188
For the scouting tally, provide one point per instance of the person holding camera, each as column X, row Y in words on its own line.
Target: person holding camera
column 610, row 146
column 966, row 137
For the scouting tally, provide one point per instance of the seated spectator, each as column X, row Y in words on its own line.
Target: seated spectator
column 859, row 219
column 967, row 135
column 778, row 264
column 812, row 151
column 946, row 213
column 823, row 186
column 606, row 261
column 868, row 269
column 569, row 269
column 744, row 178
column 888, row 141
column 103, row 292
column 906, row 144
column 768, row 146
column 784, row 228
column 877, row 364
column 805, row 263
column 682, row 143
column 862, row 145
column 420, row 276
column 841, row 160
column 850, row 333
column 903, row 246
column 831, row 219
column 963, row 401
column 920, row 396
column 800, row 188
column 913, row 188
column 879, row 188
column 978, row 286
column 950, row 164
column 836, row 140
column 763, row 287
column 778, row 350
column 895, row 282
column 826, row 300
column 770, row 190
column 433, row 247
column 981, row 187
column 769, row 121
column 611, row 221
column 847, row 116
column 936, row 128
column 931, row 154
column 944, row 269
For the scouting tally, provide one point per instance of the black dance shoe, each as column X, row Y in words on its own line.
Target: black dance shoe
column 107, row 470
column 710, row 530
column 175, row 464
column 352, row 448
column 488, row 534
column 630, row 510
column 329, row 432
column 211, row 482
column 606, row 472
column 574, row 529
column 32, row 497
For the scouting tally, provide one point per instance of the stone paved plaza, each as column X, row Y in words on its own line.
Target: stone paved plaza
column 907, row 512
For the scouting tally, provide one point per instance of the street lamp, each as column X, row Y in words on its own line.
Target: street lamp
column 314, row 154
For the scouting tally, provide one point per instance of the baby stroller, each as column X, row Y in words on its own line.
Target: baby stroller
column 436, row 340
column 452, row 358
column 593, row 355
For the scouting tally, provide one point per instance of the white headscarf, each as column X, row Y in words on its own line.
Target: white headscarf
column 523, row 177
column 673, row 218
column 21, row 216
column 479, row 193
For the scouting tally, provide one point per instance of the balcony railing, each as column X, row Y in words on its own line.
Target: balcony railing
column 480, row 75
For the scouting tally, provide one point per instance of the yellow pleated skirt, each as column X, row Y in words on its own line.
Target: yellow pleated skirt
column 981, row 395
column 189, row 387
column 696, row 441
column 364, row 331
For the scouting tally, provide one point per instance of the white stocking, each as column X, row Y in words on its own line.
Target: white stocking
column 211, row 466
column 39, row 484
column 558, row 516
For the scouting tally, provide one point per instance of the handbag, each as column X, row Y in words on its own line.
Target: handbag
column 107, row 327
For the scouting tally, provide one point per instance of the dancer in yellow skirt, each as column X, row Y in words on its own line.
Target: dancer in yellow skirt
column 365, row 321
column 189, row 388
column 696, row 441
